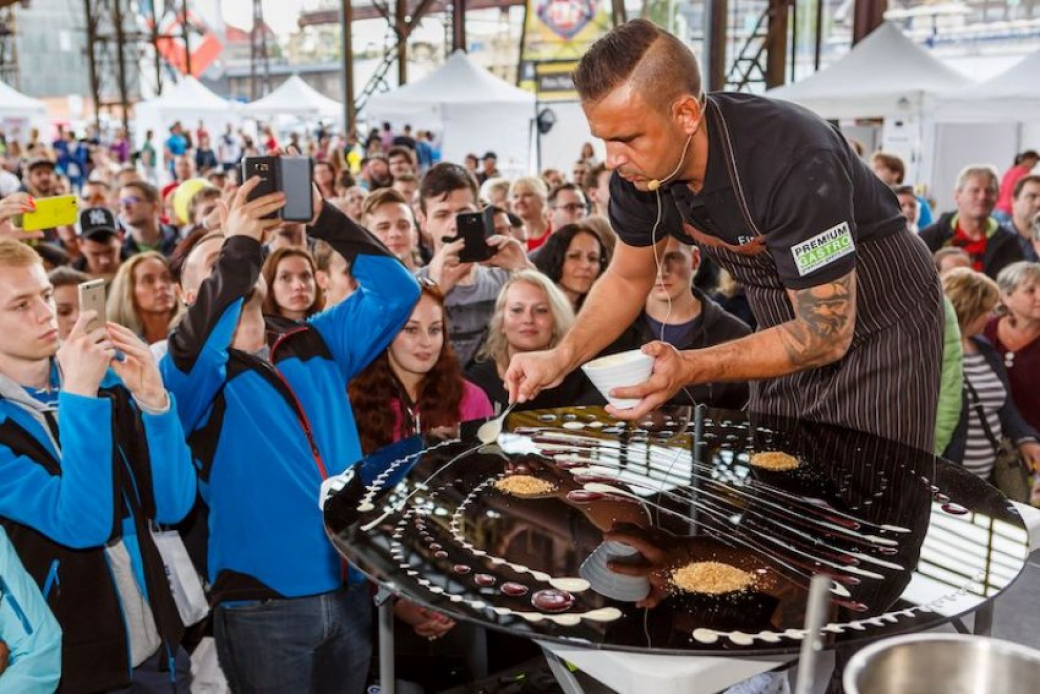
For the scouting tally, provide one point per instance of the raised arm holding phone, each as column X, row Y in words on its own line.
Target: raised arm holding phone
column 264, row 400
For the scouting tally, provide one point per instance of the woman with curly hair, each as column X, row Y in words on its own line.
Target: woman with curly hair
column 292, row 284
column 415, row 386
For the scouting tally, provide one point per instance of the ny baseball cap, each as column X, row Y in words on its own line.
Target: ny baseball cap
column 97, row 224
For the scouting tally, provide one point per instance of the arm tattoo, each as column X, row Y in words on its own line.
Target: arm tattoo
column 825, row 317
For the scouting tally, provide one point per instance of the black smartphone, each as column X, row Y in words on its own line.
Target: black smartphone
column 267, row 169
column 296, row 175
column 470, row 227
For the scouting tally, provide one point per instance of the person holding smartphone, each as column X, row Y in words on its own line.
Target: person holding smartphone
column 91, row 454
column 470, row 289
column 265, row 401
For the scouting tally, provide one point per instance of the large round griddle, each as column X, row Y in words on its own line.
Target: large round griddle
column 908, row 539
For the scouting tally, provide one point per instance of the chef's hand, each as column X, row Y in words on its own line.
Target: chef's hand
column 669, row 376
column 660, row 553
column 530, row 373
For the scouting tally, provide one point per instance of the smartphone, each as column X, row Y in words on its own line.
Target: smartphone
column 92, row 298
column 267, row 169
column 58, row 211
column 470, row 227
column 296, row 176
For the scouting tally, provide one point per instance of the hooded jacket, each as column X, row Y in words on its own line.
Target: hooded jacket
column 28, row 628
column 265, row 433
column 99, row 478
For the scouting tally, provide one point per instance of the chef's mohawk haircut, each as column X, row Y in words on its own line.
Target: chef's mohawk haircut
column 660, row 66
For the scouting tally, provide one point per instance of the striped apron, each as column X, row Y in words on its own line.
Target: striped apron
column 888, row 382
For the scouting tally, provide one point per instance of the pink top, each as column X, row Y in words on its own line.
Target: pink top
column 474, row 405
column 1007, row 187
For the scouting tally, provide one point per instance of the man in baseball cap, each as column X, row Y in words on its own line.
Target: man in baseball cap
column 100, row 243
column 40, row 179
column 490, row 170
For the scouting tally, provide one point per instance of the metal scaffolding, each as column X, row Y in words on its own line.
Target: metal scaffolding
column 119, row 39
column 113, row 52
column 259, row 61
column 8, row 44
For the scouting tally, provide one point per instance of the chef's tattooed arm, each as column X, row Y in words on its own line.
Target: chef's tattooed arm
column 819, row 333
column 824, row 319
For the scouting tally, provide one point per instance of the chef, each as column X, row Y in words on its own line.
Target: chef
column 847, row 300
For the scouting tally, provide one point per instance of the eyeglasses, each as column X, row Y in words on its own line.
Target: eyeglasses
column 129, row 201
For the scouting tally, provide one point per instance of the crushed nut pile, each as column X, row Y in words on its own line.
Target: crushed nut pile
column 524, row 485
column 774, row 460
column 711, row 577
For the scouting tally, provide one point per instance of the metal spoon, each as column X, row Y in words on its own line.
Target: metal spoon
column 489, row 430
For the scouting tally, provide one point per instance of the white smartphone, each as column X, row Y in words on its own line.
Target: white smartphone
column 92, row 298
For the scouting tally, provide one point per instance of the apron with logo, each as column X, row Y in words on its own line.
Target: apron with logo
column 888, row 382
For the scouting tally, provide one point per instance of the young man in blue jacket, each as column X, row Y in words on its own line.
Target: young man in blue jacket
column 31, row 637
column 264, row 400
column 91, row 453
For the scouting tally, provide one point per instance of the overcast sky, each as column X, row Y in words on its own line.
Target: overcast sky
column 280, row 15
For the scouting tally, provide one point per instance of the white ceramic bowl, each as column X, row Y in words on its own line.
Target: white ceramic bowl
column 607, row 583
column 629, row 368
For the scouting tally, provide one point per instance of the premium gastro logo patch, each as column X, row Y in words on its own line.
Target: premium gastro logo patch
column 823, row 249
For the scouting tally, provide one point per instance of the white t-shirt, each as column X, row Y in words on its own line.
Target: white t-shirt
column 9, row 183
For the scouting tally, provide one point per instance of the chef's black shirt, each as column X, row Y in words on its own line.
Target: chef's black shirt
column 801, row 180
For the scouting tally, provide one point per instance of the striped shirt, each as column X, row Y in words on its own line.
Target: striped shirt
column 979, row 454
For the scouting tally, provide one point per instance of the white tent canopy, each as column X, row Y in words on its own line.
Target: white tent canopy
column 21, row 112
column 1009, row 97
column 987, row 124
column 884, row 75
column 473, row 110
column 294, row 97
column 189, row 102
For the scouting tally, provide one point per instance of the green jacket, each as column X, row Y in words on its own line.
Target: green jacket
column 948, row 413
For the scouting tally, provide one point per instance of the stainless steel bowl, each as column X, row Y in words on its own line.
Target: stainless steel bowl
column 943, row 664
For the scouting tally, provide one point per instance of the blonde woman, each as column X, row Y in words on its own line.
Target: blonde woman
column 531, row 314
column 988, row 413
column 1016, row 335
column 143, row 298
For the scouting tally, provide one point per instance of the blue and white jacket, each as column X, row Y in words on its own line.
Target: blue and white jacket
column 265, row 433
column 28, row 628
column 103, row 476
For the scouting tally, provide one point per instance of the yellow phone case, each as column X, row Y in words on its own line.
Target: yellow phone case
column 51, row 212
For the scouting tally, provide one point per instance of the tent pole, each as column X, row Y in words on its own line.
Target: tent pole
column 458, row 25
column 347, row 48
column 401, row 29
column 819, row 35
column 186, row 32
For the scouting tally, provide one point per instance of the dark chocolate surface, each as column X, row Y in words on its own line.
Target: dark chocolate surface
column 909, row 539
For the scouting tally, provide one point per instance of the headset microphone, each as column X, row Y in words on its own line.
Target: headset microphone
column 655, row 184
